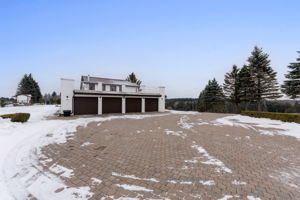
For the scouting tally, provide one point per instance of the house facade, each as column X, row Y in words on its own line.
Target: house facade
column 103, row 95
column 23, row 98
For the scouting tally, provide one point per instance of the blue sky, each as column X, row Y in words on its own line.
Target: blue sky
column 178, row 44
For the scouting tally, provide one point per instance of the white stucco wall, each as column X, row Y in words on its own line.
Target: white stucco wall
column 130, row 89
column 67, row 87
column 161, row 100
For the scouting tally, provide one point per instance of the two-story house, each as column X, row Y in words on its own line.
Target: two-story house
column 104, row 95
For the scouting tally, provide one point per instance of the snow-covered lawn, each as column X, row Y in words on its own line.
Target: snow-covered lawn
column 20, row 144
column 261, row 124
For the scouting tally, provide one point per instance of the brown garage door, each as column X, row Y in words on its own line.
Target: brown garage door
column 151, row 105
column 133, row 105
column 111, row 105
column 85, row 105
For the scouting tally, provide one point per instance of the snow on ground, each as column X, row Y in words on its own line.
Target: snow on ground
column 134, row 177
column 180, row 182
column 183, row 122
column 212, row 160
column 226, row 197
column 96, row 181
column 253, row 198
column 235, row 182
column 175, row 133
column 209, row 182
column 86, row 144
column 178, row 112
column 62, row 171
column 20, row 144
column 134, row 188
column 260, row 124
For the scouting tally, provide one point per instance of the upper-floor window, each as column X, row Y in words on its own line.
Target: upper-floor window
column 92, row 86
column 113, row 88
column 103, row 87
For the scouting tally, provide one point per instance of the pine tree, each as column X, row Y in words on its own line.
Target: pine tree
column 231, row 87
column 246, row 85
column 211, row 99
column 291, row 86
column 28, row 85
column 132, row 78
column 265, row 83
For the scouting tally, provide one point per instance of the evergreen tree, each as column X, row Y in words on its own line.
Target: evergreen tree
column 265, row 83
column 211, row 99
column 246, row 85
column 132, row 78
column 201, row 102
column 54, row 95
column 231, row 87
column 28, row 85
column 291, row 86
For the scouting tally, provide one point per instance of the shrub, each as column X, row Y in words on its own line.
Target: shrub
column 17, row 117
column 286, row 117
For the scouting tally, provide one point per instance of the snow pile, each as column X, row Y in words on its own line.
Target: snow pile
column 259, row 124
column 212, row 160
column 20, row 144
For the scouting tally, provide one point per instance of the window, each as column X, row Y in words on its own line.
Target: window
column 113, row 88
column 103, row 87
column 92, row 86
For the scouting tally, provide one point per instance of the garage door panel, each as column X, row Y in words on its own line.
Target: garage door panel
column 85, row 105
column 133, row 105
column 151, row 105
column 111, row 105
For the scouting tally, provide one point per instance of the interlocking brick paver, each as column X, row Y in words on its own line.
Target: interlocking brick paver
column 166, row 166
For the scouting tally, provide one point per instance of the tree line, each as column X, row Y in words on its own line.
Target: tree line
column 250, row 87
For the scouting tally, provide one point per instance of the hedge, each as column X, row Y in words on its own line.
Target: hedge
column 17, row 117
column 286, row 117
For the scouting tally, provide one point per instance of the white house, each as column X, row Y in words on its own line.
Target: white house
column 23, row 98
column 104, row 95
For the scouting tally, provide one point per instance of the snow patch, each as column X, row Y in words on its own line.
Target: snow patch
column 180, row 182
column 226, row 197
column 235, row 182
column 86, row 144
column 183, row 122
column 175, row 133
column 191, row 161
column 62, row 171
column 178, row 112
column 134, row 177
column 253, row 198
column 260, row 124
column 209, row 182
column 133, row 187
column 96, row 181
column 212, row 160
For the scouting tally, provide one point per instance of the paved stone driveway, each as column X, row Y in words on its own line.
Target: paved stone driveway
column 179, row 156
